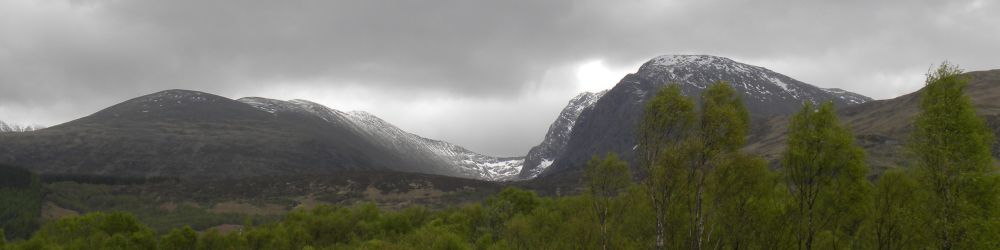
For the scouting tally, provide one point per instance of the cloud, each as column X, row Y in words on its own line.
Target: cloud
column 479, row 71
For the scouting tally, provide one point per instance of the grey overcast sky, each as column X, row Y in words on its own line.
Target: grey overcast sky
column 488, row 75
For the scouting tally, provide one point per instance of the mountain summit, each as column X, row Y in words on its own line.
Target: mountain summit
column 609, row 123
column 183, row 133
column 766, row 92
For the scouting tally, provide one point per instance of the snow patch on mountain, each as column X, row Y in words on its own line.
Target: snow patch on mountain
column 848, row 96
column 755, row 82
column 610, row 125
column 541, row 157
column 468, row 162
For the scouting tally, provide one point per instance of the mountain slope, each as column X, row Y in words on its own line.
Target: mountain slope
column 541, row 157
column 883, row 127
column 188, row 133
column 609, row 126
column 193, row 134
column 13, row 128
column 447, row 156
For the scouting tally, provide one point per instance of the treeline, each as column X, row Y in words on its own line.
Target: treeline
column 20, row 202
column 693, row 189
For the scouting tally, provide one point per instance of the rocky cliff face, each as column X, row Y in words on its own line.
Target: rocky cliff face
column 541, row 157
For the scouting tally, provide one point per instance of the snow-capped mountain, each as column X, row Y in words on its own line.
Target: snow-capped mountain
column 458, row 159
column 609, row 124
column 11, row 127
column 541, row 157
column 757, row 84
column 186, row 133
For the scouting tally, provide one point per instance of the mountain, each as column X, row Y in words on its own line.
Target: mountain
column 183, row 133
column 883, row 127
column 13, row 128
column 609, row 124
column 541, row 157
column 383, row 134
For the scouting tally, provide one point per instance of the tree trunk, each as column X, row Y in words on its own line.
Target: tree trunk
column 604, row 229
column 659, row 230
column 699, row 225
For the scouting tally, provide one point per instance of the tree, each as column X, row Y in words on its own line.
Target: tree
column 182, row 238
column 722, row 129
column 743, row 194
column 505, row 205
column 606, row 178
column 96, row 231
column 680, row 148
column 954, row 165
column 824, row 172
column 892, row 220
column 668, row 119
column 21, row 195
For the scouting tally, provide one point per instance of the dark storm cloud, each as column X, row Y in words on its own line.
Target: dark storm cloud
column 63, row 60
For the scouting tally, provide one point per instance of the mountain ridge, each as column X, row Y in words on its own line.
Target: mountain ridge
column 384, row 133
column 609, row 126
column 17, row 128
column 541, row 156
column 190, row 133
column 310, row 137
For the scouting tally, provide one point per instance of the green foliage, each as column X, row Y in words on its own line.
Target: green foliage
column 722, row 129
column 606, row 179
column 668, row 118
column 183, row 238
column 725, row 121
column 17, row 178
column 746, row 204
column 83, row 198
column 96, row 231
column 21, row 199
column 892, row 225
column 698, row 191
column 954, row 165
column 608, row 176
column 697, row 182
column 825, row 175
column 667, row 121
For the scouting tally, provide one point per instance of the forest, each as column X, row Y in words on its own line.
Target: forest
column 691, row 188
